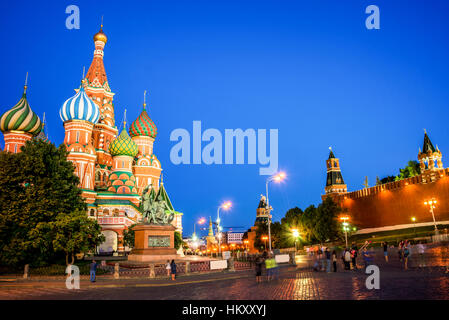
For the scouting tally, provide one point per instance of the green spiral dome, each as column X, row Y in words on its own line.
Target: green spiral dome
column 21, row 118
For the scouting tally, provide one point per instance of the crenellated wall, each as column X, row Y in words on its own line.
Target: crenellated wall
column 395, row 203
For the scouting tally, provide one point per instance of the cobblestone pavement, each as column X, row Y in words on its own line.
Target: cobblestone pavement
column 293, row 284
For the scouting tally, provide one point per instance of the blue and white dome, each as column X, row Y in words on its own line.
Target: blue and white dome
column 80, row 107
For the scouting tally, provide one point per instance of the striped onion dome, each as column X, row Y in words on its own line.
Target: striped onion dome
column 21, row 118
column 143, row 126
column 80, row 107
column 123, row 145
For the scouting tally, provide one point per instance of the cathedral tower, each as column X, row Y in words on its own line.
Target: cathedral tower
column 123, row 151
column 79, row 114
column 334, row 181
column 147, row 167
column 19, row 124
column 97, row 88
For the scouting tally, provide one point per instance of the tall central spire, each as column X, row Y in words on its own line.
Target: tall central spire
column 96, row 75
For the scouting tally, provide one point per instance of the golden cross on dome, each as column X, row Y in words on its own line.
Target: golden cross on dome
column 144, row 99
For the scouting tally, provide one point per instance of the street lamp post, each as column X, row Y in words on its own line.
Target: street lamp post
column 278, row 178
column 265, row 238
column 296, row 235
column 194, row 236
column 345, row 228
column 431, row 203
column 225, row 206
column 414, row 226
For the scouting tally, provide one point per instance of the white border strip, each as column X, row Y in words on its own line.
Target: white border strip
column 399, row 226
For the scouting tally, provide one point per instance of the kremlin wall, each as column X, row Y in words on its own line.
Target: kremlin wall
column 392, row 205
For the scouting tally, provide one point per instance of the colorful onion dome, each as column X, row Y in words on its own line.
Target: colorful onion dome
column 143, row 126
column 123, row 145
column 21, row 118
column 80, row 107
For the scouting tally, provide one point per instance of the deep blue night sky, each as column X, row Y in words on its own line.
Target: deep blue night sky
column 308, row 68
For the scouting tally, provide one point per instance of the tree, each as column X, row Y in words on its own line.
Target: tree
column 315, row 224
column 178, row 240
column 291, row 220
column 412, row 169
column 306, row 224
column 37, row 184
column 128, row 236
column 326, row 225
column 387, row 179
column 261, row 230
column 71, row 233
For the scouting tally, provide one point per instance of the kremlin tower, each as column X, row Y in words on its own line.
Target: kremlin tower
column 19, row 124
column 334, row 180
column 430, row 160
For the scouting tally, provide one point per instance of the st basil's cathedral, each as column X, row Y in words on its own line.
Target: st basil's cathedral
column 114, row 169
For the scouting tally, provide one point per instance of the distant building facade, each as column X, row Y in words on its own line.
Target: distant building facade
column 234, row 237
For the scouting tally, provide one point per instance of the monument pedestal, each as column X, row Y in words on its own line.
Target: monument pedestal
column 153, row 243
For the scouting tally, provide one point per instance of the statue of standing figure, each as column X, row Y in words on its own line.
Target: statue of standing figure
column 154, row 210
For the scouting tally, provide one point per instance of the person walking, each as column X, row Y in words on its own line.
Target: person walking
column 366, row 257
column 421, row 249
column 275, row 268
column 334, row 260
column 385, row 246
column 328, row 260
column 347, row 259
column 93, row 270
column 406, row 253
column 269, row 267
column 400, row 245
column 168, row 268
column 173, row 270
column 354, row 254
column 259, row 262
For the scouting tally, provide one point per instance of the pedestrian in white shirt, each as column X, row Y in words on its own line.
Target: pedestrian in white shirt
column 168, row 268
column 421, row 249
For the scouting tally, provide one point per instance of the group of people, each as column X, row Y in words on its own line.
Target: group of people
column 271, row 267
column 327, row 260
column 404, row 252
